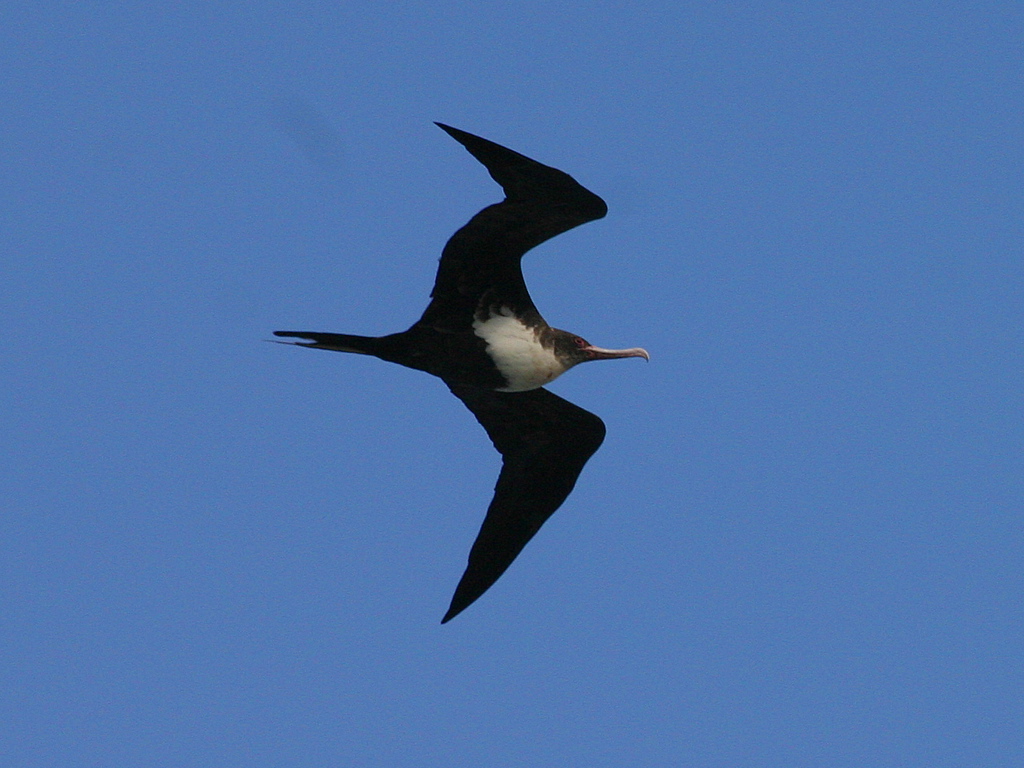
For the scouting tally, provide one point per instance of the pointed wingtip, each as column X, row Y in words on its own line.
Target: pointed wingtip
column 459, row 135
column 523, row 177
column 452, row 613
column 454, row 610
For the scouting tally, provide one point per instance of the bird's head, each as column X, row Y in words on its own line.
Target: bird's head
column 573, row 349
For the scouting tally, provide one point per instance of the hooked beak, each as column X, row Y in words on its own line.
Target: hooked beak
column 597, row 353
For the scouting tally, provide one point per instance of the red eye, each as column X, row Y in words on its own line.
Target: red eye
column 580, row 342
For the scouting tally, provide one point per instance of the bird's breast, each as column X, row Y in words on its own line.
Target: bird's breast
column 517, row 352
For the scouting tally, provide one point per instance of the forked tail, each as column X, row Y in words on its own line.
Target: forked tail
column 338, row 342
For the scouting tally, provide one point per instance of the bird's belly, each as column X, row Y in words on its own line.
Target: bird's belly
column 518, row 354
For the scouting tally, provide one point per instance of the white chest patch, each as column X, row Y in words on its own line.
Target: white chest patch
column 517, row 352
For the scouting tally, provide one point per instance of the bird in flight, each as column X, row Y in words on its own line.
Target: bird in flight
column 482, row 335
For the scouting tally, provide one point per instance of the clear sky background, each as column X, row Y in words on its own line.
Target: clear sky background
column 801, row 544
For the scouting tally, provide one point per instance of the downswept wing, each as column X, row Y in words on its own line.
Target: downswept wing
column 544, row 442
column 481, row 262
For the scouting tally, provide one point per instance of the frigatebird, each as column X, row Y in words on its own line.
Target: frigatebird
column 482, row 335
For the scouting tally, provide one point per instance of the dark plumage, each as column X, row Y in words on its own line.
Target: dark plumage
column 482, row 335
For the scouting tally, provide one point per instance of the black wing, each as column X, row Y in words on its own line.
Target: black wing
column 481, row 260
column 544, row 442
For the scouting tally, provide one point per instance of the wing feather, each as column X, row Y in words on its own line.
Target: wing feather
column 544, row 442
column 481, row 262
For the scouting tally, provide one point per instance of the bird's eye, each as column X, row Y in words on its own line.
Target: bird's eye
column 580, row 342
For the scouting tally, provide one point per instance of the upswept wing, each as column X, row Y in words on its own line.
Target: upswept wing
column 481, row 262
column 544, row 442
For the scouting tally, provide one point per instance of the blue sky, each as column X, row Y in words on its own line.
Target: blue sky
column 801, row 542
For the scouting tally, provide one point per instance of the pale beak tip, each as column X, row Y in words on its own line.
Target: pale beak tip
column 598, row 353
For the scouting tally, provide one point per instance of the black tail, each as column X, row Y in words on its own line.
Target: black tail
column 339, row 342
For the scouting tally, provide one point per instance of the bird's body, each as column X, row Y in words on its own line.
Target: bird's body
column 483, row 336
column 518, row 352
